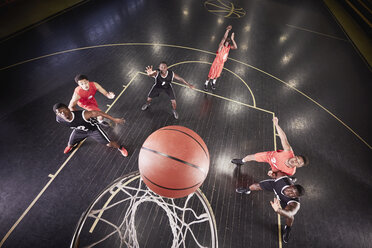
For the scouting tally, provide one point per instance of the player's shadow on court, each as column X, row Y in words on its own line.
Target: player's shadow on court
column 242, row 179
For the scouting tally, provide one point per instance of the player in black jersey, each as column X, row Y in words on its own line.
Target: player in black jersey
column 163, row 83
column 85, row 124
column 286, row 203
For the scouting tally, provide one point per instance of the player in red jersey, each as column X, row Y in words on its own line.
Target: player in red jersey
column 221, row 57
column 282, row 160
column 84, row 96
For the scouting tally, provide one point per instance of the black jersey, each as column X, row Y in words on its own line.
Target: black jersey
column 279, row 185
column 79, row 122
column 164, row 82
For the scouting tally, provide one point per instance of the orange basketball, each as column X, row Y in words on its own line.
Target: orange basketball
column 173, row 161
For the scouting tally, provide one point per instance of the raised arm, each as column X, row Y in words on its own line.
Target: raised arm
column 150, row 72
column 75, row 98
column 234, row 46
column 228, row 28
column 109, row 95
column 282, row 136
column 94, row 113
column 183, row 81
column 289, row 211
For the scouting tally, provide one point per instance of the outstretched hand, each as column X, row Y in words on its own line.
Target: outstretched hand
column 229, row 27
column 110, row 95
column 191, row 86
column 149, row 70
column 275, row 120
column 275, row 205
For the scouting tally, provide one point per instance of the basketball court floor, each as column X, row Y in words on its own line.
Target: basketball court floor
column 293, row 62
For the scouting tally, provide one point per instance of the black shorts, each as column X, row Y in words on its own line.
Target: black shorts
column 268, row 184
column 98, row 135
column 155, row 92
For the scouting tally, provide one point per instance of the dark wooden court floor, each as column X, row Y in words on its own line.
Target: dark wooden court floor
column 293, row 62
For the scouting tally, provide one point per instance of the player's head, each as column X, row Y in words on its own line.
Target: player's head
column 294, row 191
column 62, row 111
column 227, row 41
column 298, row 161
column 163, row 67
column 82, row 81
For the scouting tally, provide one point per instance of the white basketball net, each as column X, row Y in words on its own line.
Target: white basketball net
column 133, row 193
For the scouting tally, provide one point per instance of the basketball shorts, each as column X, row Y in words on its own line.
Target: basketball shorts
column 155, row 92
column 268, row 184
column 216, row 69
column 98, row 135
column 89, row 106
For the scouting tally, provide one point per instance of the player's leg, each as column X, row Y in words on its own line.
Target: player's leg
column 212, row 74
column 75, row 137
column 287, row 229
column 258, row 157
column 154, row 92
column 170, row 92
column 101, row 137
column 247, row 191
column 219, row 67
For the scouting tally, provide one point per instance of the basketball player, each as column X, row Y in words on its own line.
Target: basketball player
column 221, row 57
column 286, row 203
column 84, row 124
column 84, row 96
column 281, row 160
column 163, row 83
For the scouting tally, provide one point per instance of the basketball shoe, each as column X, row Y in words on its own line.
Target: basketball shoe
column 237, row 161
column 243, row 191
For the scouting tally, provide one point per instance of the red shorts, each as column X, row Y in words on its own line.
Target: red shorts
column 89, row 106
column 216, row 69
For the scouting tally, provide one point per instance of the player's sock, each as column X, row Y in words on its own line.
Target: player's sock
column 123, row 151
column 207, row 82
column 286, row 232
column 214, row 84
column 237, row 161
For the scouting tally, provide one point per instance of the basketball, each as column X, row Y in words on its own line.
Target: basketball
column 173, row 161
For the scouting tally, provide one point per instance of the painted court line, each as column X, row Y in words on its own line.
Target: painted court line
column 314, row 32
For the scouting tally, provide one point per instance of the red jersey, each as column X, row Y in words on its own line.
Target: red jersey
column 87, row 96
column 277, row 160
column 218, row 62
column 222, row 55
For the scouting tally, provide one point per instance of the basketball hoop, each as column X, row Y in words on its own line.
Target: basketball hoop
column 128, row 214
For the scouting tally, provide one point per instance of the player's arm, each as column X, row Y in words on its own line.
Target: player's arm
column 183, row 81
column 150, row 72
column 282, row 135
column 275, row 174
column 109, row 95
column 94, row 113
column 289, row 211
column 234, row 46
column 228, row 28
column 73, row 102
